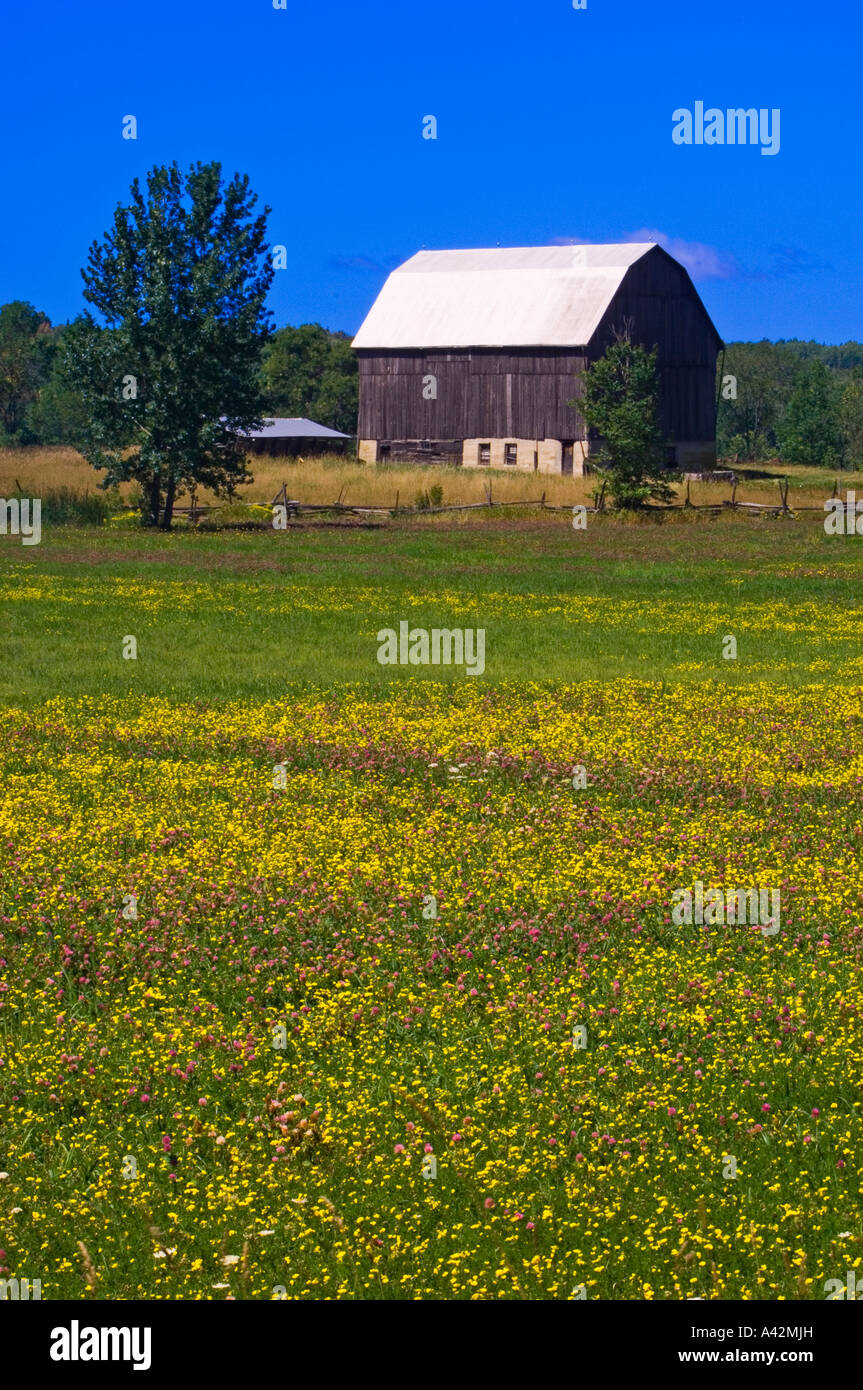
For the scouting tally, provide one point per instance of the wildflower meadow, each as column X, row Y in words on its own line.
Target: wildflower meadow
column 370, row 986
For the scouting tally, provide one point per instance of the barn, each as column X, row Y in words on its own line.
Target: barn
column 473, row 357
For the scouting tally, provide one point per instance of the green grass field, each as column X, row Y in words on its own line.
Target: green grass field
column 297, row 950
column 241, row 614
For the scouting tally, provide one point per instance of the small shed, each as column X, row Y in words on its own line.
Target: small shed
column 294, row 435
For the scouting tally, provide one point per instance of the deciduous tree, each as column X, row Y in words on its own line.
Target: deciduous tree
column 312, row 372
column 171, row 371
column 620, row 403
column 809, row 429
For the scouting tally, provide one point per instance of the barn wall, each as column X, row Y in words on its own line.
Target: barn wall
column 663, row 304
column 520, row 394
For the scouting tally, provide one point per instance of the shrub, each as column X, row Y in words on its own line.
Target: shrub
column 235, row 514
column 432, row 497
column 68, row 506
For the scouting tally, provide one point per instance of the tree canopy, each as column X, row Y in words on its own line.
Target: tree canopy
column 809, row 431
column 171, row 372
column 793, row 398
column 312, row 372
column 25, row 360
column 620, row 404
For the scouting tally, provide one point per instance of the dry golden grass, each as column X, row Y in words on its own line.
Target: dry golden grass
column 324, row 478
column 321, row 479
column 318, row 479
column 765, row 491
column 41, row 469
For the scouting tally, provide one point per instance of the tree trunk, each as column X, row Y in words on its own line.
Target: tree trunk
column 169, row 503
column 155, row 498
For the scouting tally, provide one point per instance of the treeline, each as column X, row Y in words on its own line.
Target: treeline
column 798, row 401
column 307, row 371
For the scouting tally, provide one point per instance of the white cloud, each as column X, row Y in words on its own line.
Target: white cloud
column 702, row 261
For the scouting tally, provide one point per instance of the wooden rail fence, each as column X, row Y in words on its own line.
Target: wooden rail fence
column 294, row 507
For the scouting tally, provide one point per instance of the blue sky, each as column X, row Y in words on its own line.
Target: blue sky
column 552, row 124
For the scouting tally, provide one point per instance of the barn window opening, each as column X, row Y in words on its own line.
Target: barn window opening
column 485, row 453
column 384, row 451
column 511, row 454
column 670, row 456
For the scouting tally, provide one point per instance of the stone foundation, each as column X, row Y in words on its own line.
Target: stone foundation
column 532, row 455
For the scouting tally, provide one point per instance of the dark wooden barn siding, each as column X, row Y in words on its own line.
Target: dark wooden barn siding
column 663, row 304
column 521, row 393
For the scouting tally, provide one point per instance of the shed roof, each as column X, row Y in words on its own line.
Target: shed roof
column 513, row 296
column 294, row 427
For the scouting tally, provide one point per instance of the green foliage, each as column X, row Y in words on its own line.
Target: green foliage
column 809, row 431
column 236, row 514
column 756, row 381
column 69, row 506
column 431, row 497
column 173, row 372
column 839, row 357
column 137, row 498
column 25, row 335
column 58, row 414
column 312, row 373
column 851, row 420
column 36, row 406
column 620, row 404
column 752, row 409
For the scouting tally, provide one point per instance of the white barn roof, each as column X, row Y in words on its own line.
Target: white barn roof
column 531, row 296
